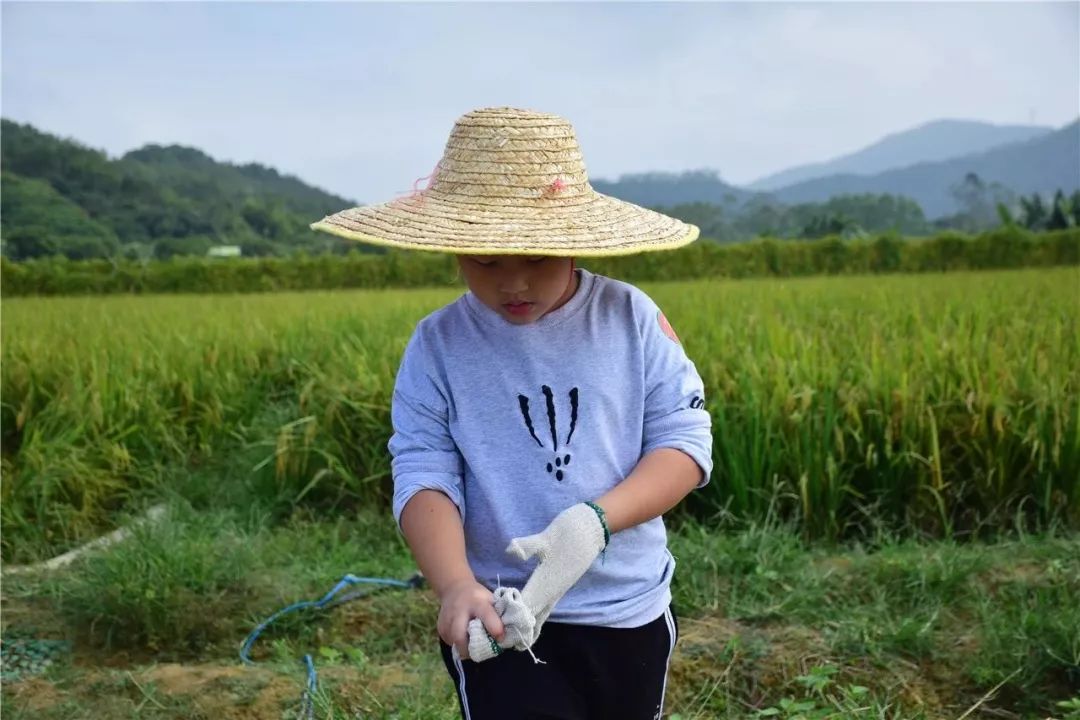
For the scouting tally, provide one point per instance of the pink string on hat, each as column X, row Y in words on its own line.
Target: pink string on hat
column 417, row 193
column 555, row 187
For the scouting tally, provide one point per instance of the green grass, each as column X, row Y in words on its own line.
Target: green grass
column 943, row 405
column 771, row 626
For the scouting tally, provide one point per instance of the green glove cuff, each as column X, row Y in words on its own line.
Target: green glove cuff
column 603, row 521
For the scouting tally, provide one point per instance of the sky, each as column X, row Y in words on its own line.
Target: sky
column 359, row 98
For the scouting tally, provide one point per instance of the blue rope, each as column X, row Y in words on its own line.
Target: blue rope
column 326, row 602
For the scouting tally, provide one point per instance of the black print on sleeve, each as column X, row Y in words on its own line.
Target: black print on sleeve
column 562, row 461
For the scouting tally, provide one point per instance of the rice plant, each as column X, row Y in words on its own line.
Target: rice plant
column 944, row 404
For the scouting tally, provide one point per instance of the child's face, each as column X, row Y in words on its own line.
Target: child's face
column 521, row 288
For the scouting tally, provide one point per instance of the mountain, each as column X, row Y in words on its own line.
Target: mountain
column 1041, row 165
column 189, row 172
column 157, row 200
column 58, row 196
column 36, row 215
column 667, row 189
column 932, row 142
column 923, row 164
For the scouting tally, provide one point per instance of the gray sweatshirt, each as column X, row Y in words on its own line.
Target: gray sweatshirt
column 516, row 423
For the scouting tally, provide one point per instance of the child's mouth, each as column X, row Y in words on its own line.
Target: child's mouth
column 518, row 308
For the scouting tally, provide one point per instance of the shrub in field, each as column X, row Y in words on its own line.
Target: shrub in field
column 174, row 586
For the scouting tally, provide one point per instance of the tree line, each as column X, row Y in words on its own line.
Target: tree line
column 1004, row 247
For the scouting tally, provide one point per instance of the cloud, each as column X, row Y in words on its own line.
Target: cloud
column 359, row 98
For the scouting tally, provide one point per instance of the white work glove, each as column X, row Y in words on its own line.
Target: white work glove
column 519, row 627
column 566, row 548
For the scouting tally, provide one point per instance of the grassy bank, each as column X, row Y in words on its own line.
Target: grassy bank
column 771, row 626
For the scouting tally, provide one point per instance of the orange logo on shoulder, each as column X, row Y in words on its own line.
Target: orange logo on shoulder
column 666, row 327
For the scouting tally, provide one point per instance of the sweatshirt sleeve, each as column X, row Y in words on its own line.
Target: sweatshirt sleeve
column 675, row 414
column 424, row 456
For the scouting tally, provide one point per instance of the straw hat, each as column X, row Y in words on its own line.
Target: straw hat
column 511, row 182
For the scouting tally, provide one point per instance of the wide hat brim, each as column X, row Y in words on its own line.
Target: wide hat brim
column 605, row 226
column 511, row 182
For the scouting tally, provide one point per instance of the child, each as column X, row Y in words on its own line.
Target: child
column 548, row 414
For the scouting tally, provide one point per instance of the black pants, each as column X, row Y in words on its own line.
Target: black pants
column 590, row 673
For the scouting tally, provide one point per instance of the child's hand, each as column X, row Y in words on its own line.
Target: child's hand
column 460, row 603
column 519, row 627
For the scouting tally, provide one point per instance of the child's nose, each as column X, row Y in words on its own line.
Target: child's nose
column 514, row 283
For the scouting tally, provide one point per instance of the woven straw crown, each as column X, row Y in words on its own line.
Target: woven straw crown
column 511, row 182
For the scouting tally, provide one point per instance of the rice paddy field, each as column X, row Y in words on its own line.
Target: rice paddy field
column 890, row 529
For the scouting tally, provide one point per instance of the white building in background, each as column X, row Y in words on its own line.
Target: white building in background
column 224, row 251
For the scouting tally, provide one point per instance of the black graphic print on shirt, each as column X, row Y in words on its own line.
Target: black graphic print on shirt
column 560, row 461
